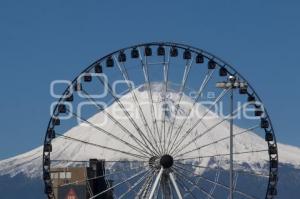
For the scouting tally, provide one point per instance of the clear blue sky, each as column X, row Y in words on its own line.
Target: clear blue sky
column 41, row 41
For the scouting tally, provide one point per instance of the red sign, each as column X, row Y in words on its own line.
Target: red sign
column 71, row 194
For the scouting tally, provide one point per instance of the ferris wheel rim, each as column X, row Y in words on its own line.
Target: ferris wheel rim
column 207, row 55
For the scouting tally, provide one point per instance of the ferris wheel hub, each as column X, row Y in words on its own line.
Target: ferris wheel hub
column 166, row 161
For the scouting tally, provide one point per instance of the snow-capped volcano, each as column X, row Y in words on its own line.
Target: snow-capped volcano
column 30, row 163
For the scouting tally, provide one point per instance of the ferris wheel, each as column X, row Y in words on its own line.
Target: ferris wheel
column 168, row 121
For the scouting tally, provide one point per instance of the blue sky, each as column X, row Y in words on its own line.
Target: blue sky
column 41, row 41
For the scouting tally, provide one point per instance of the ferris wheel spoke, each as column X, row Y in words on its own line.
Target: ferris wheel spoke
column 199, row 93
column 183, row 187
column 193, row 184
column 214, row 182
column 145, row 191
column 220, row 169
column 165, row 90
column 125, row 75
column 180, row 141
column 157, row 193
column 146, row 141
column 171, row 189
column 97, row 177
column 99, row 129
column 124, row 129
column 143, row 188
column 128, row 183
column 187, row 68
column 166, row 187
column 214, row 126
column 209, row 129
column 121, row 183
column 226, row 118
column 156, row 183
column 103, row 147
column 137, row 183
column 174, row 183
column 221, row 139
column 198, row 166
column 109, row 161
column 224, row 154
column 149, row 91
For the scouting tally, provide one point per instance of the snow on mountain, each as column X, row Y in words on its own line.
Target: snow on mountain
column 30, row 163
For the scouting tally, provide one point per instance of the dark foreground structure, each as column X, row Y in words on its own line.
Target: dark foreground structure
column 72, row 183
